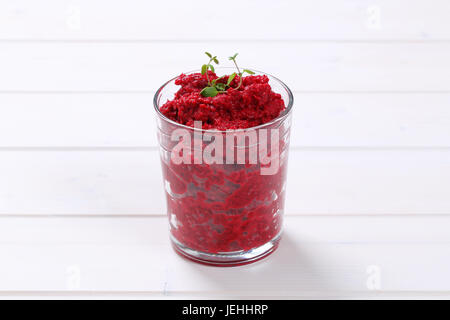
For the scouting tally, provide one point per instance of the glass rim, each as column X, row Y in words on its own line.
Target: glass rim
column 281, row 117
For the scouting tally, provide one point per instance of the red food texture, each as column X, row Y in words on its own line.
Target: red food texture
column 253, row 104
column 219, row 208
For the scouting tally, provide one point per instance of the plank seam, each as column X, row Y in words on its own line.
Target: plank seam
column 198, row 293
column 213, row 40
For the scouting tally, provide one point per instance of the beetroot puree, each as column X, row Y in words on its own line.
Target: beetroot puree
column 222, row 208
column 254, row 103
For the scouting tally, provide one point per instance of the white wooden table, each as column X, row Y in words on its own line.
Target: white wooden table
column 82, row 209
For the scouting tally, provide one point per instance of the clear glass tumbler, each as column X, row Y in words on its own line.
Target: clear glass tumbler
column 225, row 190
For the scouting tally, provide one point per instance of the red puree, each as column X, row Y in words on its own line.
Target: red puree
column 224, row 207
column 254, row 103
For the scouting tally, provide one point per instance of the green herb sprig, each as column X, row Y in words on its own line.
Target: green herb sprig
column 214, row 87
column 239, row 73
column 209, row 66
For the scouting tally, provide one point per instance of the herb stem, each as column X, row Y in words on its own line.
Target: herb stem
column 239, row 74
column 207, row 76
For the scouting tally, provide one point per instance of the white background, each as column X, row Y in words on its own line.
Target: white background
column 82, row 209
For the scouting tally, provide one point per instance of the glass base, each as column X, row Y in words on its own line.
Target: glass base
column 228, row 259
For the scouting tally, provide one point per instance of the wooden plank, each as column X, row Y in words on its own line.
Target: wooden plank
column 319, row 120
column 143, row 67
column 99, row 120
column 418, row 20
column 319, row 182
column 89, row 182
column 318, row 257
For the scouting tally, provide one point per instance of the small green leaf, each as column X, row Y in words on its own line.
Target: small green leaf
column 248, row 71
column 233, row 57
column 209, row 92
column 215, row 80
column 211, row 67
column 204, row 69
column 208, row 54
column 221, row 86
column 215, row 60
column 230, row 78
